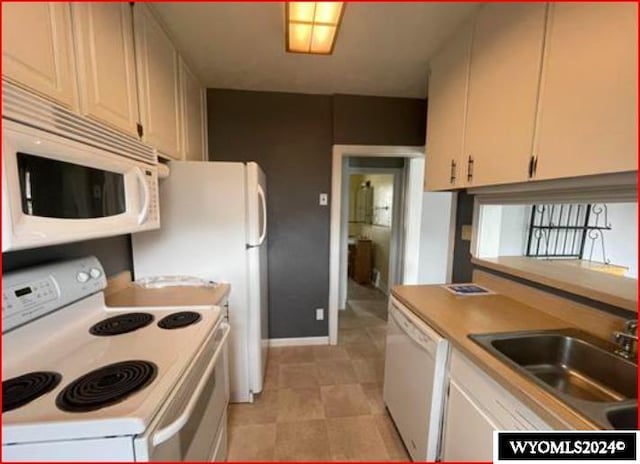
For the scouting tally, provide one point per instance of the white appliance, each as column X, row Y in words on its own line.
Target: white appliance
column 214, row 226
column 415, row 380
column 85, row 382
column 66, row 178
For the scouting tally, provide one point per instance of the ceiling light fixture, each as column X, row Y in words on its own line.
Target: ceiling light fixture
column 312, row 27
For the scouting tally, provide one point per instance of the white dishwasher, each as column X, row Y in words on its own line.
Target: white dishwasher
column 415, row 377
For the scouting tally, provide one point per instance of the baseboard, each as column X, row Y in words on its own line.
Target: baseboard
column 275, row 342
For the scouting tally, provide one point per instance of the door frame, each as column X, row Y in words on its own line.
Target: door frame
column 414, row 156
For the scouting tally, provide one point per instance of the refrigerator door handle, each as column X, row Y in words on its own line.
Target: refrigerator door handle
column 263, row 204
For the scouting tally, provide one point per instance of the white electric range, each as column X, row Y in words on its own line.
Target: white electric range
column 82, row 381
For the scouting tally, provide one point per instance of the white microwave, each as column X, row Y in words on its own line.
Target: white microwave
column 57, row 190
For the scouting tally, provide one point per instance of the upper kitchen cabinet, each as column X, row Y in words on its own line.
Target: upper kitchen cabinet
column 157, row 64
column 506, row 57
column 588, row 105
column 193, row 115
column 447, row 104
column 37, row 49
column 106, row 63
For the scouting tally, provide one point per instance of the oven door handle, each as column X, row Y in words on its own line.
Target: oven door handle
column 144, row 211
column 174, row 427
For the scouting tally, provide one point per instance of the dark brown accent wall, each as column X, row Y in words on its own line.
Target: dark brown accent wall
column 462, row 266
column 367, row 120
column 291, row 137
column 114, row 253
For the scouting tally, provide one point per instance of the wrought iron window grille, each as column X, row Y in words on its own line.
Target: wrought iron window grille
column 567, row 231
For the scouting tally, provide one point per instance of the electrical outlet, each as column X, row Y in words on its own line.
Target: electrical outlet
column 324, row 199
column 320, row 314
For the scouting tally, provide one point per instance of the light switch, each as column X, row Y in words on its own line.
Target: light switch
column 466, row 233
column 324, row 199
column 319, row 314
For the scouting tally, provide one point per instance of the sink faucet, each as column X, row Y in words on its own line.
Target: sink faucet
column 627, row 340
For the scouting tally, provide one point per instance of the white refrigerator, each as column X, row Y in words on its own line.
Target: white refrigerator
column 214, row 226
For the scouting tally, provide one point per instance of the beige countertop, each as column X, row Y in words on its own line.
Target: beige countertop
column 455, row 317
column 132, row 295
column 599, row 286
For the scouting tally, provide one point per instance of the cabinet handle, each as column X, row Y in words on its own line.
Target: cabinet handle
column 470, row 169
column 535, row 165
column 531, row 161
column 452, row 178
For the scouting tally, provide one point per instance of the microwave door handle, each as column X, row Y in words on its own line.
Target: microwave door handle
column 263, row 205
column 174, row 427
column 144, row 211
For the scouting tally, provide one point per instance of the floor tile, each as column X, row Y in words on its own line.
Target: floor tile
column 344, row 400
column 329, row 353
column 362, row 350
column 391, row 439
column 294, row 354
column 297, row 375
column 252, row 443
column 302, row 441
column 299, row 404
column 373, row 392
column 271, row 376
column 355, row 439
column 263, row 410
column 306, row 386
column 377, row 333
column 358, row 335
column 369, row 370
column 335, row 372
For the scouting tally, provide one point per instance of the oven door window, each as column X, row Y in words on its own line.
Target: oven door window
column 57, row 189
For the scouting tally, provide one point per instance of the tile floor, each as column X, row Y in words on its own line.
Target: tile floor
column 323, row 403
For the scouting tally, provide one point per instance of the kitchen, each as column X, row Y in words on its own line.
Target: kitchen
column 180, row 164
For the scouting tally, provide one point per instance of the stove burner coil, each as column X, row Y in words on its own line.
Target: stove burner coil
column 18, row 391
column 121, row 324
column 106, row 386
column 179, row 320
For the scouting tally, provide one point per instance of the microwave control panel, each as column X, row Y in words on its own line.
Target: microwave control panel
column 153, row 215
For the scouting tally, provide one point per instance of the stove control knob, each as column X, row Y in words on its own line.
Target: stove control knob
column 82, row 277
column 95, row 273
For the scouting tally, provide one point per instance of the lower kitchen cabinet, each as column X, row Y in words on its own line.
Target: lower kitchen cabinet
column 468, row 434
column 476, row 407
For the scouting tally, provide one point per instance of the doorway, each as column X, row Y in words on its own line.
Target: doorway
column 374, row 203
column 403, row 218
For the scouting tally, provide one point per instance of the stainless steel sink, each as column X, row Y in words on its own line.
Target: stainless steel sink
column 576, row 367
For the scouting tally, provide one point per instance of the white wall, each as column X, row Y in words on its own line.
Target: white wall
column 514, row 230
column 621, row 242
column 503, row 232
column 438, row 217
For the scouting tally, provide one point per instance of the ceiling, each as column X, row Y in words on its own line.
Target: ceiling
column 382, row 48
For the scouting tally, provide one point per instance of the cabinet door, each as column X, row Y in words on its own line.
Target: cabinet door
column 37, row 48
column 157, row 64
column 506, row 57
column 447, row 104
column 588, row 106
column 106, row 63
column 193, row 115
column 468, row 434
